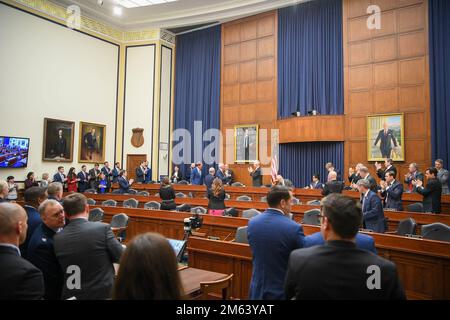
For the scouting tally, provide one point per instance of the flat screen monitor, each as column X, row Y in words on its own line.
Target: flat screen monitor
column 14, row 152
column 178, row 246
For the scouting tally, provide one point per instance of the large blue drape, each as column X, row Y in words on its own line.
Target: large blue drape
column 310, row 58
column 299, row 161
column 439, row 43
column 197, row 87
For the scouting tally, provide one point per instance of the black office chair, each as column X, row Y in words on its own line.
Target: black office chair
column 244, row 198
column 90, row 191
column 406, row 226
column 199, row 210
column 119, row 224
column 130, row 203
column 311, row 217
column 237, row 184
column 96, row 215
column 250, row 213
column 241, row 235
column 183, row 182
column 415, row 207
column 313, row 202
column 231, row 212
column 436, row 231
column 132, row 191
column 180, row 195
column 184, row 208
column 152, row 205
column 109, row 203
column 143, row 193
column 91, row 202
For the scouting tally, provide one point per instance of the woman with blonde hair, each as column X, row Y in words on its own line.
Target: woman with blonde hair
column 216, row 196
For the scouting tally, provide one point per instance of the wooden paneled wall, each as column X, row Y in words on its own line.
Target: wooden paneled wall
column 386, row 71
column 248, row 78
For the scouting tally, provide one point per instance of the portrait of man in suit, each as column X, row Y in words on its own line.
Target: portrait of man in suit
column 385, row 137
column 58, row 140
column 246, row 143
column 92, row 142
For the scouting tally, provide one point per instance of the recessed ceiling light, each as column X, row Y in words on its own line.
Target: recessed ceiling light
column 117, row 11
column 142, row 3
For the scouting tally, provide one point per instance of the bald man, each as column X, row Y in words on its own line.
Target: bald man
column 332, row 186
column 19, row 279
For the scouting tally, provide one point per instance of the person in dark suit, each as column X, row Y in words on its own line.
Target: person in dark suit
column 94, row 174
column 55, row 191
column 92, row 247
column 222, row 175
column 167, row 195
column 255, row 173
column 210, row 178
column 229, row 174
column 339, row 269
column 61, row 145
column 141, row 172
column 442, row 175
column 315, row 184
column 19, row 279
column 386, row 135
column 177, row 176
column 148, row 173
column 412, row 175
column 108, row 175
column 333, row 186
column 124, row 183
column 431, row 193
column 391, row 191
column 196, row 174
column 91, row 143
column 388, row 166
column 362, row 241
column 365, row 175
column 115, row 172
column 33, row 197
column 41, row 252
column 60, row 176
column 83, row 184
column 272, row 236
column 372, row 208
column 354, row 175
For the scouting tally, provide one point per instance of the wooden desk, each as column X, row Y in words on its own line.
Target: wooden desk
column 191, row 278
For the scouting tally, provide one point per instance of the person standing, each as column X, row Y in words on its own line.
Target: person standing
column 124, row 183
column 388, row 166
column 72, row 181
column 255, row 173
column 392, row 191
column 431, row 193
column 442, row 175
column 12, row 188
column 30, row 181
column 167, row 195
column 115, row 172
column 83, row 179
column 176, row 175
column 108, row 175
column 216, row 197
column 94, row 174
column 141, row 171
column 210, row 178
column 413, row 175
column 196, row 174
column 372, row 208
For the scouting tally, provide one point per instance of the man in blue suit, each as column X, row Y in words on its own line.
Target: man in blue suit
column 115, row 172
column 148, row 174
column 372, row 208
column 108, row 174
column 272, row 236
column 363, row 241
column 210, row 178
column 41, row 252
column 124, row 183
column 221, row 174
column 83, row 184
column 60, row 176
column 391, row 191
column 196, row 174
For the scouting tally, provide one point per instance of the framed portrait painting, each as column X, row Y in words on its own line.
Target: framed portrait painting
column 58, row 140
column 92, row 142
column 385, row 137
column 246, row 143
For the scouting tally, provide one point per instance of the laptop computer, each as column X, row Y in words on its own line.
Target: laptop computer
column 178, row 246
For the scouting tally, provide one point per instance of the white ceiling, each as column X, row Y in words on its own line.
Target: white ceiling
column 175, row 14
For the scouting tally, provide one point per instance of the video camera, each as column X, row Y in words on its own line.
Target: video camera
column 194, row 222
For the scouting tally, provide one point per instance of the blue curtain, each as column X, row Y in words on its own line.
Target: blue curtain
column 310, row 58
column 299, row 161
column 197, row 87
column 439, row 43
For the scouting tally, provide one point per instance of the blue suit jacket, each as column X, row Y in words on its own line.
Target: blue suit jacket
column 272, row 237
column 148, row 176
column 373, row 215
column 83, row 184
column 124, row 185
column 34, row 220
column 363, row 241
column 41, row 253
column 196, row 177
column 115, row 175
column 394, row 196
column 209, row 180
column 57, row 178
column 223, row 177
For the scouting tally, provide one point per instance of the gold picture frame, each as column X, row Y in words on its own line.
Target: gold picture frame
column 385, row 137
column 58, row 140
column 92, row 143
column 246, row 143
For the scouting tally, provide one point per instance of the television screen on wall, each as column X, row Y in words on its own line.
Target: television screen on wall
column 14, row 152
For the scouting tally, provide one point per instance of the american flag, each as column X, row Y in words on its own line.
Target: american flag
column 274, row 168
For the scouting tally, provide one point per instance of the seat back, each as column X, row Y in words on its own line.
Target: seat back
column 296, row 201
column 263, row 199
column 119, row 220
column 109, row 203
column 406, row 226
column 132, row 191
column 184, row 207
column 183, row 182
column 313, row 202
column 91, row 202
column 241, row 235
column 223, row 286
column 244, row 198
column 250, row 213
column 415, row 207
column 90, row 191
column 152, row 205
column 237, row 184
column 143, row 193
column 199, row 210
column 96, row 215
column 436, row 231
column 312, row 217
column 180, row 195
column 231, row 212
column 130, row 203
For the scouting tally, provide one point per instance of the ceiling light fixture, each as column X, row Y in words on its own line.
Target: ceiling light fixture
column 117, row 11
column 141, row 3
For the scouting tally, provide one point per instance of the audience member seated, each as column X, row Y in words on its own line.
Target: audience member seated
column 3, row 191
column 33, row 197
column 388, row 166
column 102, row 183
column 148, row 271
column 272, row 236
column 30, row 181
column 13, row 188
column 210, row 178
column 55, row 191
column 411, row 176
column 45, row 181
column 391, row 191
column 41, row 251
column 431, row 193
column 83, row 179
column 177, row 176
column 216, row 196
column 167, row 195
column 332, row 186
column 362, row 241
column 280, row 181
column 72, row 180
column 442, row 175
column 340, row 270
column 91, row 246
column 124, row 184
column 315, row 184
column 19, row 279
column 372, row 208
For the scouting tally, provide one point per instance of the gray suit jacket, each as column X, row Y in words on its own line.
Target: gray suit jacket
column 443, row 178
column 93, row 248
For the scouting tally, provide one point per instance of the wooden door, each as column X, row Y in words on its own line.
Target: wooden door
column 133, row 161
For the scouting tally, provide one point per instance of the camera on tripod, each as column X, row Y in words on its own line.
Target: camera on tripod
column 194, row 222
